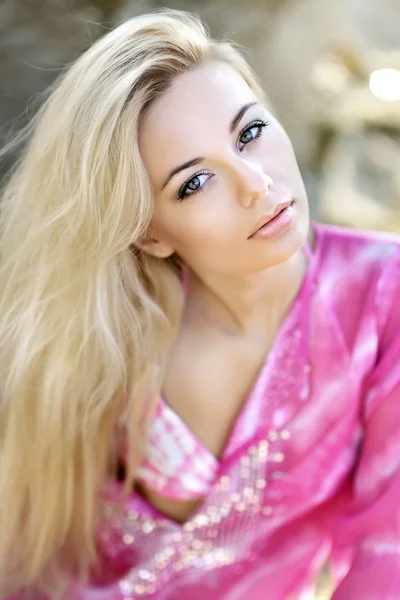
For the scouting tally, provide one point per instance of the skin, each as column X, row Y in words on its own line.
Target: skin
column 239, row 288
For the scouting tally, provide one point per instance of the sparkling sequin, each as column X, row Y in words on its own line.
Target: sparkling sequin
column 273, row 435
column 224, row 482
column 147, row 526
column 267, row 510
column 128, row 538
column 144, row 574
column 199, row 541
column 201, row 520
column 248, row 492
column 278, row 457
column 285, row 434
column 126, row 587
column 139, row 589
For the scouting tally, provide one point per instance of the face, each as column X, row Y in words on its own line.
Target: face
column 220, row 166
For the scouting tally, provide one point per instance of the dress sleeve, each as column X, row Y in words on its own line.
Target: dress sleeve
column 373, row 527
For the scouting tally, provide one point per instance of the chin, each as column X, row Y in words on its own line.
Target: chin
column 293, row 239
column 282, row 249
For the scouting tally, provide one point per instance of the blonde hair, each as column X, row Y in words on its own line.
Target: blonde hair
column 84, row 314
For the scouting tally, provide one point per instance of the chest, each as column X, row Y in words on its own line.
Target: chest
column 207, row 386
column 207, row 392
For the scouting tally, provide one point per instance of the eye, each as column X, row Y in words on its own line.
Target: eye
column 252, row 132
column 193, row 185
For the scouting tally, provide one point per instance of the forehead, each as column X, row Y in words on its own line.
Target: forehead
column 196, row 109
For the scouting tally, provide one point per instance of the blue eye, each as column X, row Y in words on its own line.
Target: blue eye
column 197, row 182
column 252, row 131
column 193, row 185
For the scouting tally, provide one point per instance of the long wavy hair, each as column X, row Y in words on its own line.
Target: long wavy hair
column 85, row 315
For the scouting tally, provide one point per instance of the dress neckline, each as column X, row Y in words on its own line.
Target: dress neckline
column 312, row 255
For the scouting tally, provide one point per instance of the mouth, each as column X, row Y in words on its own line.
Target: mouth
column 269, row 226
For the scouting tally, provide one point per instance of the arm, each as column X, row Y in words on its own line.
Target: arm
column 373, row 527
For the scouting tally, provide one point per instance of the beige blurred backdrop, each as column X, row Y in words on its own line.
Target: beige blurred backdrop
column 331, row 68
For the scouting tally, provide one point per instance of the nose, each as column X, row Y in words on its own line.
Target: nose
column 254, row 183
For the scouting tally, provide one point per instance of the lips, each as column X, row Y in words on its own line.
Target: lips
column 264, row 219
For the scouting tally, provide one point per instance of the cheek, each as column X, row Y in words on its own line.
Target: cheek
column 284, row 170
column 279, row 147
column 206, row 228
column 206, row 219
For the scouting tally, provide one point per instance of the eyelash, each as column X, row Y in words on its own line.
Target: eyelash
column 182, row 193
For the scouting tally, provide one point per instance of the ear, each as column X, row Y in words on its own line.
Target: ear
column 155, row 247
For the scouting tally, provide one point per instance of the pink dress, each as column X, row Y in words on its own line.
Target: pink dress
column 311, row 472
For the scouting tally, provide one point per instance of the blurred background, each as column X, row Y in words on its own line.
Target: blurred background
column 331, row 69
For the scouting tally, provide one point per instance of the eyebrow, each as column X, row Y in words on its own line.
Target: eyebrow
column 195, row 161
column 237, row 118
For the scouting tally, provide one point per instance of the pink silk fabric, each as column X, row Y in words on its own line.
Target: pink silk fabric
column 311, row 471
column 177, row 464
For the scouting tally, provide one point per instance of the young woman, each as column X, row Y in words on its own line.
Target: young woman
column 200, row 392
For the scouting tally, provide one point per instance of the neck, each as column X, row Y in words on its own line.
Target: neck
column 245, row 304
